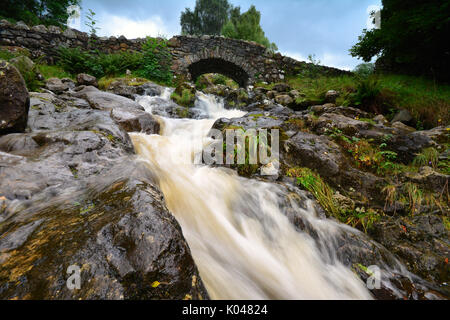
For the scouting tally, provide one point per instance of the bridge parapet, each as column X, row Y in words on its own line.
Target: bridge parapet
column 243, row 61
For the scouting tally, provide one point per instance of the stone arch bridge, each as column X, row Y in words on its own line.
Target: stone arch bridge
column 243, row 61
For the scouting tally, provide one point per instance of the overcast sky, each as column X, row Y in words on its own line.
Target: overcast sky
column 326, row 28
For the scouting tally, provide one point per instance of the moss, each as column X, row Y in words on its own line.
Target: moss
column 186, row 99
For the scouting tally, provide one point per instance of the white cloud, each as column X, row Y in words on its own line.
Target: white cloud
column 336, row 61
column 327, row 59
column 111, row 25
column 294, row 55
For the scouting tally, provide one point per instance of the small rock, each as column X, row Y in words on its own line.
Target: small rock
column 69, row 33
column 294, row 94
column 380, row 119
column 401, row 126
column 284, row 99
column 331, row 96
column 86, row 80
column 54, row 29
column 403, row 116
column 56, row 85
column 22, row 25
column 69, row 82
column 40, row 28
column 282, row 87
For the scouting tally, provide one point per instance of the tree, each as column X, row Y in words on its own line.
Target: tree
column 246, row 26
column 412, row 38
column 32, row 12
column 208, row 17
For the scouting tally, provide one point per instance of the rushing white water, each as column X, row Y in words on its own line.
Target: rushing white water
column 243, row 244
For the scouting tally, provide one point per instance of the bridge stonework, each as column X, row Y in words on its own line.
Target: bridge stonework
column 243, row 61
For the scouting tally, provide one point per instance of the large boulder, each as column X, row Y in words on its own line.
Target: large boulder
column 73, row 195
column 14, row 100
column 116, row 230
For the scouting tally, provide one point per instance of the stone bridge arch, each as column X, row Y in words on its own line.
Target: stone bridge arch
column 238, row 60
column 218, row 61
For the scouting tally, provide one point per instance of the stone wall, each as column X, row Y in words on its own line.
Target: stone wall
column 243, row 61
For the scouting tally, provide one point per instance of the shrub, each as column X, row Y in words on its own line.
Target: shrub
column 76, row 60
column 157, row 61
column 186, row 99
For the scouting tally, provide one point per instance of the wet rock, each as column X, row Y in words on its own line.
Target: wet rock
column 429, row 179
column 356, row 251
column 409, row 145
column 421, row 243
column 320, row 153
column 84, row 79
column 69, row 82
column 136, row 121
column 119, row 234
column 106, row 101
column 56, row 85
column 14, row 100
column 348, row 126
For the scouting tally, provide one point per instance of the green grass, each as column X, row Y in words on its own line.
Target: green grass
column 186, row 99
column 54, row 72
column 312, row 182
column 427, row 100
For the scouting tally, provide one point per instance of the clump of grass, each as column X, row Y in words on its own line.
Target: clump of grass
column 312, row 182
column 415, row 196
column 105, row 82
column 428, row 157
column 186, row 99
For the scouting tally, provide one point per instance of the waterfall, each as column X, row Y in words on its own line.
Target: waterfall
column 243, row 244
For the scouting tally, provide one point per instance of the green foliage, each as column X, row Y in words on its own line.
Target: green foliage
column 48, row 72
column 91, row 22
column 33, row 12
column 186, row 99
column 76, row 60
column 246, row 26
column 157, row 61
column 208, row 17
column 6, row 55
column 426, row 100
column 402, row 24
column 428, row 157
column 312, row 182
